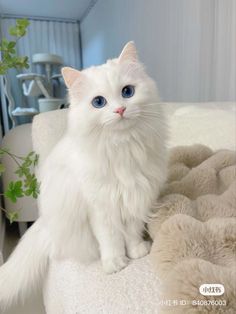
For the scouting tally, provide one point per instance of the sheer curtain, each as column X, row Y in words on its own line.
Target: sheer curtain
column 57, row 37
column 44, row 36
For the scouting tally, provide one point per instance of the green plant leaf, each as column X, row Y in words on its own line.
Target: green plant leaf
column 28, row 186
column 12, row 31
column 14, row 191
column 3, row 68
column 4, row 44
column 3, row 151
column 22, row 22
column 9, row 56
column 11, row 44
column 30, row 154
column 35, row 160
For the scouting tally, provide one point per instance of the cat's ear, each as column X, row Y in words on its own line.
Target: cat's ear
column 70, row 75
column 129, row 53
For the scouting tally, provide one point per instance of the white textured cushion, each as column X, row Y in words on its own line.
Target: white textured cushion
column 73, row 288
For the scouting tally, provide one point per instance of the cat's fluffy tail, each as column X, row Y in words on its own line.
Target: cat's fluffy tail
column 25, row 267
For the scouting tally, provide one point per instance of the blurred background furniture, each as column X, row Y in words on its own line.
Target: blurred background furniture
column 43, row 85
column 44, row 82
column 11, row 111
column 48, row 45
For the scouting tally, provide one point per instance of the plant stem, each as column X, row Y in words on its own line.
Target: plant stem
column 5, row 151
column 3, row 209
column 14, row 157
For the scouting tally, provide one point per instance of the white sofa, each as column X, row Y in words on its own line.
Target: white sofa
column 72, row 288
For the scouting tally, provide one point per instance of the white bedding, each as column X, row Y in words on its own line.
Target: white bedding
column 212, row 124
column 73, row 289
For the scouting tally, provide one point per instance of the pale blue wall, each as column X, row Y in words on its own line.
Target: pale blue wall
column 188, row 46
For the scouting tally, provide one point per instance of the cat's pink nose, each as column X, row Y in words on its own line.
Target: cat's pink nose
column 120, row 110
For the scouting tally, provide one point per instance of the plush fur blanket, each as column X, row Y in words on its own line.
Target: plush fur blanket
column 194, row 231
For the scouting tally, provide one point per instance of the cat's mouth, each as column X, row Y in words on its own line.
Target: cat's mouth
column 122, row 118
column 123, row 122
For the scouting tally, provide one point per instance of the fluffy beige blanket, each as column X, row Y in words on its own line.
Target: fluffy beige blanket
column 194, row 231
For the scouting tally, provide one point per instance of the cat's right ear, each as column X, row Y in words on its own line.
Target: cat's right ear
column 69, row 75
column 129, row 53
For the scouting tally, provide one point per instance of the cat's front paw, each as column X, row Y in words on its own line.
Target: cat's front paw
column 139, row 250
column 115, row 264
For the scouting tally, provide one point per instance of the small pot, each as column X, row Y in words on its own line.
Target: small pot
column 48, row 104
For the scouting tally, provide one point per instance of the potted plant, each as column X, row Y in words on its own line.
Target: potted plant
column 26, row 184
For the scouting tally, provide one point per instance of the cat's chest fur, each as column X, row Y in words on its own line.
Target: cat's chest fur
column 124, row 175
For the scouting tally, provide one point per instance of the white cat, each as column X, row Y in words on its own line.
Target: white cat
column 99, row 182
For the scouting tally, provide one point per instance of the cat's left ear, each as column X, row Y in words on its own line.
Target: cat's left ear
column 129, row 53
column 70, row 75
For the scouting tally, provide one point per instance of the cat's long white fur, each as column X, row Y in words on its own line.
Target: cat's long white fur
column 25, row 267
column 100, row 181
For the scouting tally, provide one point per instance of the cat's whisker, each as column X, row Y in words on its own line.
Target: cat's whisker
column 150, row 117
column 151, row 113
column 146, row 109
column 150, row 108
column 148, row 120
column 109, row 121
column 139, row 113
column 130, row 116
column 153, row 104
column 151, row 128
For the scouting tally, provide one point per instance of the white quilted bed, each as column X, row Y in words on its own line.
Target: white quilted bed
column 75, row 289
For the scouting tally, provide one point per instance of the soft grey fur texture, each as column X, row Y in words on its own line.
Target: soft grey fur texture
column 194, row 229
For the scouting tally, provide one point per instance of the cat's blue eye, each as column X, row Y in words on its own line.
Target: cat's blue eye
column 99, row 101
column 128, row 91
